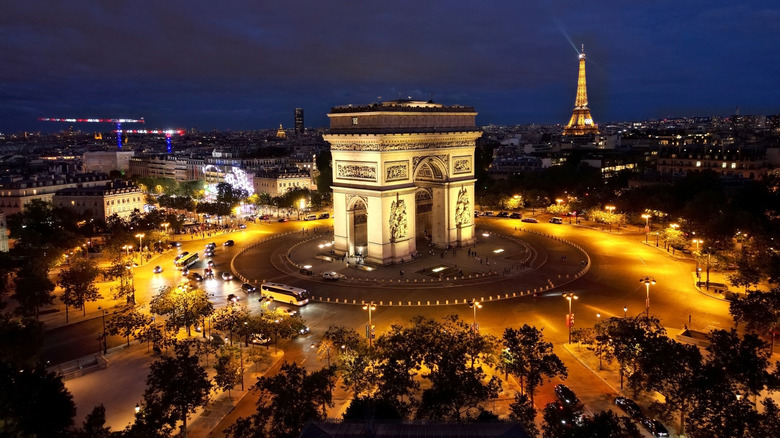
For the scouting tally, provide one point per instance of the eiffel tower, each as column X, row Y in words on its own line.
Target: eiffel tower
column 581, row 122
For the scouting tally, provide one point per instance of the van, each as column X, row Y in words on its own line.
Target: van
column 488, row 213
column 556, row 220
column 311, row 217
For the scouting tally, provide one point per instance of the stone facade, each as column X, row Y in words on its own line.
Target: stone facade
column 402, row 170
column 102, row 202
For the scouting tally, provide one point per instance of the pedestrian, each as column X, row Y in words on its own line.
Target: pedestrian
column 402, row 272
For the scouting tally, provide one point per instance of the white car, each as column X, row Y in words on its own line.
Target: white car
column 331, row 275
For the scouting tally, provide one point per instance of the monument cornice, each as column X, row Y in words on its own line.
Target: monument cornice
column 389, row 142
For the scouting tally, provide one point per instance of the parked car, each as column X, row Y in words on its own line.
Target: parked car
column 259, row 339
column 282, row 219
column 655, row 427
column 248, row 288
column 515, row 216
column 567, row 396
column 227, row 276
column 228, row 243
column 265, row 217
column 630, row 407
column 488, row 213
column 331, row 275
column 195, row 276
column 503, row 214
column 323, row 216
column 529, row 220
column 157, row 269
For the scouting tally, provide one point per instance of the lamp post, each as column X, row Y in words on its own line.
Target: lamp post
column 301, row 205
column 610, row 209
column 674, row 227
column 137, row 408
column 140, row 237
column 165, row 226
column 647, row 225
column 132, row 281
column 570, row 296
column 625, row 312
column 698, row 269
column 474, row 304
column 127, row 249
column 103, row 315
column 370, row 332
column 647, row 281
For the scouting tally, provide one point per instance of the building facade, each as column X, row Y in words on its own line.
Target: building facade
column 402, row 170
column 15, row 194
column 106, row 161
column 277, row 184
column 117, row 197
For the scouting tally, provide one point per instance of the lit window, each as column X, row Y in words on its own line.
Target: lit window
column 733, row 165
column 724, row 165
column 698, row 164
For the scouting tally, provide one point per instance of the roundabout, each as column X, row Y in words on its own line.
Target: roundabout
column 498, row 266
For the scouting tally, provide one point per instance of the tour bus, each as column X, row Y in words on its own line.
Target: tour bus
column 285, row 294
column 186, row 261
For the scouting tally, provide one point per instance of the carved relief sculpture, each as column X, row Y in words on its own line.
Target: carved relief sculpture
column 356, row 171
column 462, row 214
column 398, row 222
column 396, row 172
column 461, row 165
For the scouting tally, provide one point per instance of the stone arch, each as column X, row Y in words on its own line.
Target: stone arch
column 423, row 201
column 357, row 225
column 431, row 169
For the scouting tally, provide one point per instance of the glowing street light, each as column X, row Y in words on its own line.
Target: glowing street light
column 647, row 281
column 570, row 317
column 140, row 237
column 697, row 242
column 165, row 226
column 370, row 332
column 611, row 210
column 474, row 304
column 646, row 217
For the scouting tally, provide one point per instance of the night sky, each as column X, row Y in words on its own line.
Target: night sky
column 247, row 64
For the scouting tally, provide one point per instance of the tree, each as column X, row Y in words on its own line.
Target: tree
column 523, row 411
column 178, row 385
column 94, row 425
column 183, row 305
column 626, row 337
column 366, row 409
column 287, row 402
column 78, row 284
column 229, row 369
column 748, row 271
column 127, row 323
column 744, row 360
column 33, row 288
column 533, row 358
column 33, row 402
column 13, row 351
column 759, row 311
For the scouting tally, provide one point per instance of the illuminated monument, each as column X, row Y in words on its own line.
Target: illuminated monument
column 581, row 122
column 402, row 170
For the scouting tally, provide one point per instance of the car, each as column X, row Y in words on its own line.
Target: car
column 304, row 330
column 515, row 216
column 211, row 263
column 208, row 253
column 248, row 288
column 259, row 339
column 566, row 414
column 232, row 298
column 217, row 338
column 195, row 276
column 227, row 276
column 211, row 245
column 488, row 213
column 286, row 311
column 185, row 272
column 208, row 273
column 556, row 220
column 630, row 407
column 180, row 256
column 242, row 226
column 331, row 275
column 282, row 219
column 157, row 269
column 228, row 243
column 323, row 216
column 176, row 244
column 567, row 396
column 655, row 427
column 503, row 214
column 529, row 220
column 265, row 217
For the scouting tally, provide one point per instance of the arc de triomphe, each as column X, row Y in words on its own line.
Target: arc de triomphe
column 402, row 170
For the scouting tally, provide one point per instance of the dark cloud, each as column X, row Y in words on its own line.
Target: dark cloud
column 246, row 65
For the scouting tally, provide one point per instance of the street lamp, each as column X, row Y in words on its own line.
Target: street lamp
column 103, row 315
column 570, row 317
column 647, row 225
column 611, row 209
column 625, row 312
column 127, row 249
column 165, row 226
column 474, row 304
column 370, row 332
column 140, row 237
column 697, row 242
column 301, row 205
column 137, row 408
column 647, row 281
column 132, row 280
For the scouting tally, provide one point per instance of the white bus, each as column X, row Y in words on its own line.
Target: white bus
column 285, row 294
column 186, row 261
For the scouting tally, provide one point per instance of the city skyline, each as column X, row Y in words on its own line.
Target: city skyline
column 245, row 67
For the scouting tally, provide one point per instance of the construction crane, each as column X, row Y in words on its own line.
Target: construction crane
column 117, row 121
column 167, row 132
